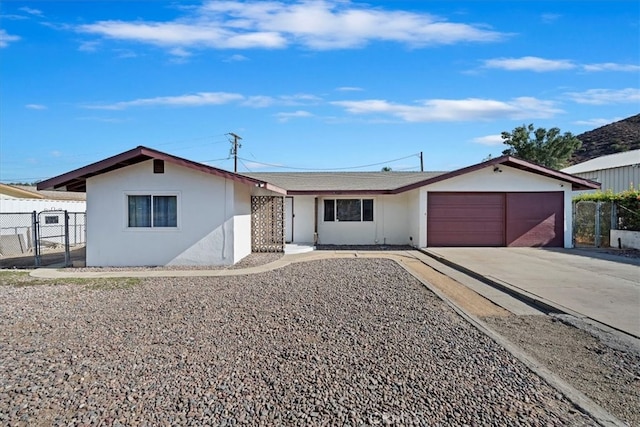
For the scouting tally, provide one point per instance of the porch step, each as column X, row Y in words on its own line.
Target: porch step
column 298, row 248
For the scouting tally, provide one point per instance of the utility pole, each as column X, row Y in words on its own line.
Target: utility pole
column 421, row 163
column 234, row 149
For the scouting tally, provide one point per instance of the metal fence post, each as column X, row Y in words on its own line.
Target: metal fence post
column 597, row 225
column 36, row 246
column 67, row 255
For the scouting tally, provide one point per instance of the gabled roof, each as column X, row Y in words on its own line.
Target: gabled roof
column 299, row 183
column 617, row 160
column 77, row 180
column 342, row 182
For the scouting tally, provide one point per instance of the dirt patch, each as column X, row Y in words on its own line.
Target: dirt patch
column 48, row 257
column 609, row 376
column 464, row 297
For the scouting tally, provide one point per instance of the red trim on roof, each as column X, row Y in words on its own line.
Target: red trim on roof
column 577, row 183
column 76, row 180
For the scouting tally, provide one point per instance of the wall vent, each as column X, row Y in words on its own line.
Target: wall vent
column 158, row 166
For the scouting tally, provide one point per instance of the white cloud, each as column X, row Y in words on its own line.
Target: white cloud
column 611, row 66
column 606, row 96
column 529, row 63
column 36, row 107
column 31, row 11
column 12, row 17
column 349, row 89
column 56, row 153
column 6, row 38
column 171, row 34
column 259, row 101
column 549, row 18
column 89, row 46
column 285, row 117
column 236, row 58
column 329, row 24
column 180, row 52
column 194, row 100
column 596, row 122
column 300, row 99
column 125, row 53
column 455, row 110
column 488, row 140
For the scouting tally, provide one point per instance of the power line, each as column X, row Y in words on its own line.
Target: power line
column 331, row 169
column 245, row 166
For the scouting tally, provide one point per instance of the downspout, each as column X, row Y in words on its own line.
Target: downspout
column 315, row 221
column 224, row 223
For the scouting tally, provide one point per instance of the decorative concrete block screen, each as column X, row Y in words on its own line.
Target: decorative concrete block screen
column 267, row 224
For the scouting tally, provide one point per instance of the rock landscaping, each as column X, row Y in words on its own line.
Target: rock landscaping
column 330, row 342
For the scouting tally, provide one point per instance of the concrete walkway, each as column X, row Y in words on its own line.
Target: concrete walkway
column 585, row 284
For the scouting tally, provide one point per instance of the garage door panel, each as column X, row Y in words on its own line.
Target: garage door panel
column 465, row 219
column 495, row 219
column 535, row 219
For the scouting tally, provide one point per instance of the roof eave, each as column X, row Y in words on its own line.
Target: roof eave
column 76, row 179
column 337, row 192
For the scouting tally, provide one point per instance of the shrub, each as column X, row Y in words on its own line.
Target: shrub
column 627, row 205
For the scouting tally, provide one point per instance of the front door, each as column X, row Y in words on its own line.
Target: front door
column 288, row 220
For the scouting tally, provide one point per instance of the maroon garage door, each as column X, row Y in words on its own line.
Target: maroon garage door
column 495, row 219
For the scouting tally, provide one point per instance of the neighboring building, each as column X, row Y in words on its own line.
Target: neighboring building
column 17, row 206
column 146, row 207
column 23, row 198
column 615, row 172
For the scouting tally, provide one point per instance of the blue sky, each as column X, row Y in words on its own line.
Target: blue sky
column 307, row 84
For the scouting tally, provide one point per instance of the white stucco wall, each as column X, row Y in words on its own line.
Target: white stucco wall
column 207, row 225
column 416, row 204
column 30, row 205
column 510, row 179
column 241, row 222
column 390, row 223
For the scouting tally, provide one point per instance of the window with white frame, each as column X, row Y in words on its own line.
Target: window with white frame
column 348, row 210
column 152, row 211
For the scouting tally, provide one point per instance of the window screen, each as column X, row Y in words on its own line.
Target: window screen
column 329, row 210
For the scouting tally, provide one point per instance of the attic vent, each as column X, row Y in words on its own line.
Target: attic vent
column 158, row 166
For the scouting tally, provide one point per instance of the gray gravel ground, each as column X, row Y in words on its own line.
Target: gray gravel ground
column 603, row 366
column 332, row 342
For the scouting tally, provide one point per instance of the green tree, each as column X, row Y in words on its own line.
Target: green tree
column 545, row 147
column 386, row 169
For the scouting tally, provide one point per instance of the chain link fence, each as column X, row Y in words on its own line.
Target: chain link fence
column 29, row 239
column 16, row 234
column 592, row 223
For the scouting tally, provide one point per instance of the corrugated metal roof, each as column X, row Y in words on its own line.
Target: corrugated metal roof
column 616, row 160
column 342, row 181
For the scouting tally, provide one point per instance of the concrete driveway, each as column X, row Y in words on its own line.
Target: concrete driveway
column 584, row 283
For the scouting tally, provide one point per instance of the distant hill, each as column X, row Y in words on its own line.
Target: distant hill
column 609, row 139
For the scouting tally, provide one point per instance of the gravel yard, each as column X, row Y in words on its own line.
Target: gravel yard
column 331, row 342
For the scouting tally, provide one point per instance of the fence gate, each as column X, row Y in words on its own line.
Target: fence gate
column 592, row 223
column 55, row 234
column 267, row 224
